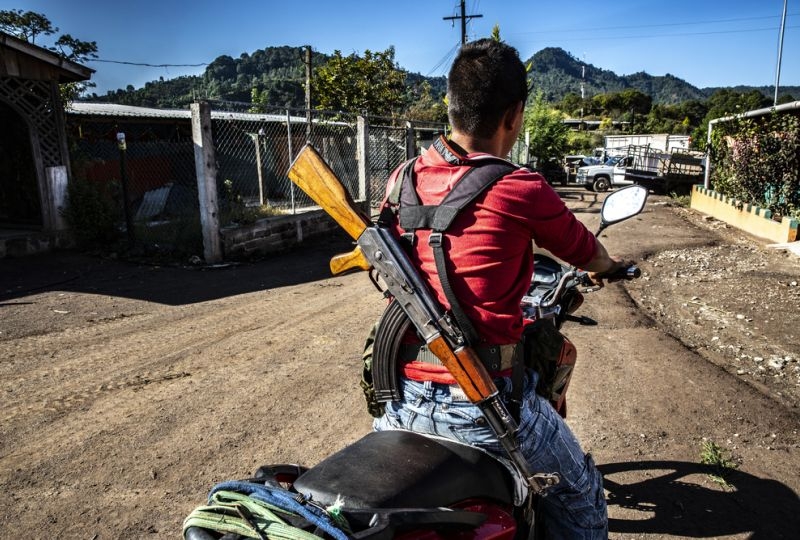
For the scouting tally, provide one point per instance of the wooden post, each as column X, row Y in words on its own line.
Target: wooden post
column 57, row 197
column 257, row 141
column 307, row 62
column 362, row 145
column 205, row 163
column 411, row 143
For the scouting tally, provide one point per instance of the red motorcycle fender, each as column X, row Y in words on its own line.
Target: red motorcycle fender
column 499, row 525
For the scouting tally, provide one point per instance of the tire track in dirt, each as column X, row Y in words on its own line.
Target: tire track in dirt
column 164, row 348
column 143, row 401
column 130, row 352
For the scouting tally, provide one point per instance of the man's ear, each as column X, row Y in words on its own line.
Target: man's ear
column 513, row 115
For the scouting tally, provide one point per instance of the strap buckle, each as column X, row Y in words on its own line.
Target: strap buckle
column 435, row 240
column 410, row 237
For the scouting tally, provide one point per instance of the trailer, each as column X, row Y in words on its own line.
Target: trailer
column 618, row 144
column 674, row 171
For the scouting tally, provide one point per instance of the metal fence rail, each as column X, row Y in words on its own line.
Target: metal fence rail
column 255, row 147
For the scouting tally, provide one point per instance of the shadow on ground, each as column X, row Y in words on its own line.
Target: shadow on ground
column 664, row 497
column 166, row 284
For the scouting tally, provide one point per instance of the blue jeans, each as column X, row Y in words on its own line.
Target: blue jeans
column 575, row 508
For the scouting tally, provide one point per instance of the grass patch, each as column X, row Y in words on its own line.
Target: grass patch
column 245, row 215
column 684, row 201
column 719, row 460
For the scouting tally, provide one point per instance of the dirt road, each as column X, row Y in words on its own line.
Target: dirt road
column 129, row 390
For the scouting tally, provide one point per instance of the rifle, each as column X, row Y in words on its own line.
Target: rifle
column 378, row 249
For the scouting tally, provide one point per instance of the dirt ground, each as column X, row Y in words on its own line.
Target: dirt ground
column 129, row 390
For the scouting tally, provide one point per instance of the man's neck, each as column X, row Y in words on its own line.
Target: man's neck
column 472, row 145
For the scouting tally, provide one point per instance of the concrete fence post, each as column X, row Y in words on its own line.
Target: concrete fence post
column 362, row 145
column 205, row 163
column 57, row 197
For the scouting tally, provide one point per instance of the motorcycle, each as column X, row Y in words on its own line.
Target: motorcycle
column 402, row 485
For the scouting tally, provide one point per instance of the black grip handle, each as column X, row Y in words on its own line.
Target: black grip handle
column 630, row 272
column 626, row 272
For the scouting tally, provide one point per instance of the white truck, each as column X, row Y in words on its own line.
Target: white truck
column 619, row 157
column 602, row 177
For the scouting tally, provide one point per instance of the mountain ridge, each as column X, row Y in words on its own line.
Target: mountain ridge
column 279, row 71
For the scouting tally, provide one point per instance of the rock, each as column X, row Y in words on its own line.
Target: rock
column 776, row 362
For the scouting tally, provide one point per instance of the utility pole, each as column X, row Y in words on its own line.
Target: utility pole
column 464, row 18
column 780, row 55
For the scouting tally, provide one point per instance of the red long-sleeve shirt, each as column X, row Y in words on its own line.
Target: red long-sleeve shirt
column 489, row 251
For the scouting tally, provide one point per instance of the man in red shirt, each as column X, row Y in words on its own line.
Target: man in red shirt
column 489, row 266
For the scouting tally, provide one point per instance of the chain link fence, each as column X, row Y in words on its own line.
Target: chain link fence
column 149, row 188
column 255, row 146
column 134, row 172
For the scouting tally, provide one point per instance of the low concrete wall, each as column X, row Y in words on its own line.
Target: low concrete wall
column 23, row 243
column 751, row 219
column 274, row 234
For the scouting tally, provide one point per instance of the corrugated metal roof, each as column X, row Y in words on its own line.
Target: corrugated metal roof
column 113, row 109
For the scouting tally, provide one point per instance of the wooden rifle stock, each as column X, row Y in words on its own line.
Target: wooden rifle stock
column 311, row 174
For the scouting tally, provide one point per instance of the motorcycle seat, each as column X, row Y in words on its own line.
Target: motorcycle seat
column 401, row 469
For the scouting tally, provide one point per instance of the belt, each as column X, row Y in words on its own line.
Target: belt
column 493, row 357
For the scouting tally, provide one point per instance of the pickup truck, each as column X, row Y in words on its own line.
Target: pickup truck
column 602, row 177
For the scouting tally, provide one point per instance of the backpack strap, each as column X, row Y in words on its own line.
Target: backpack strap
column 438, row 218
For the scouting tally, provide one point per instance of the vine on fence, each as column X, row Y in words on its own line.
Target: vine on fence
column 757, row 161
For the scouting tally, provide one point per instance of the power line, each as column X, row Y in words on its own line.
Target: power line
column 659, row 25
column 145, row 64
column 678, row 34
column 445, row 59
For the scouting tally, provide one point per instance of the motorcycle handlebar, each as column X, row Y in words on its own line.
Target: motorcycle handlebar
column 630, row 272
column 627, row 273
column 578, row 277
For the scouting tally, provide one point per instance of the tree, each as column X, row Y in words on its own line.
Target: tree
column 28, row 25
column 571, row 104
column 548, row 135
column 370, row 84
column 496, row 33
column 425, row 107
column 25, row 25
column 726, row 102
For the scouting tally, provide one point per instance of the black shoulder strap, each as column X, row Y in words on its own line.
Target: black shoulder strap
column 438, row 218
column 413, row 215
column 405, row 172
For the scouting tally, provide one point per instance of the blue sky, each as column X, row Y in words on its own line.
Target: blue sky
column 705, row 42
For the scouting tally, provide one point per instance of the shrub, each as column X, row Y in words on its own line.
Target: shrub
column 757, row 161
column 91, row 214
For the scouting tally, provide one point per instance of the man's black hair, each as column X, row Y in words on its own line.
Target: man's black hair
column 486, row 79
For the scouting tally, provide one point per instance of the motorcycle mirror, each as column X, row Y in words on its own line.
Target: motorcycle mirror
column 621, row 205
